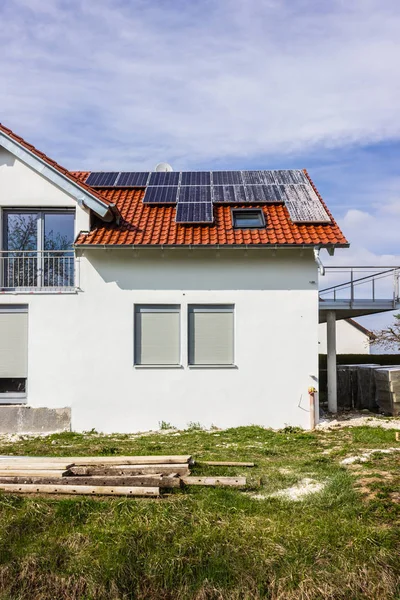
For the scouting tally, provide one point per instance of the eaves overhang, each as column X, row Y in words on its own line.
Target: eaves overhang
column 205, row 246
column 38, row 164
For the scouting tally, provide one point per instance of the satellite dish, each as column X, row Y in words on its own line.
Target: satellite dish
column 162, row 167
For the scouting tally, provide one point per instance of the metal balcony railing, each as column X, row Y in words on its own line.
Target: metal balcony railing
column 362, row 285
column 34, row 270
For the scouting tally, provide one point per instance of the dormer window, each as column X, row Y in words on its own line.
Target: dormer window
column 248, row 218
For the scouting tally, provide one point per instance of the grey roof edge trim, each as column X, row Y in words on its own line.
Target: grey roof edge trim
column 205, row 246
column 69, row 186
column 370, row 334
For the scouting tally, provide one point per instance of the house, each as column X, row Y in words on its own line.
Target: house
column 133, row 298
column 351, row 338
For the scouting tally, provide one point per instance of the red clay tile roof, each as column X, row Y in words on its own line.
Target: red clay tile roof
column 145, row 225
column 77, row 180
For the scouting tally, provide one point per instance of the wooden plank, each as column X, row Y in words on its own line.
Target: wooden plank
column 130, row 470
column 19, row 465
column 215, row 481
column 135, row 481
column 101, row 460
column 218, row 463
column 79, row 489
column 32, row 472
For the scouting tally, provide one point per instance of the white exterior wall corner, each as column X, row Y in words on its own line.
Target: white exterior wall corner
column 81, row 346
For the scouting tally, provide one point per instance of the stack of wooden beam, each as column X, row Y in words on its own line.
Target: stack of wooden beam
column 104, row 475
column 387, row 381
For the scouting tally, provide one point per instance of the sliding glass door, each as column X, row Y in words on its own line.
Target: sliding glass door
column 38, row 248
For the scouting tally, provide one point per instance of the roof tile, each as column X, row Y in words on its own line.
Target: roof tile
column 141, row 224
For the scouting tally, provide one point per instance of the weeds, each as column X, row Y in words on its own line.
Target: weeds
column 165, row 425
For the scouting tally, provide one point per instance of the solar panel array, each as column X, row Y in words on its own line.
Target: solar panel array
column 195, row 192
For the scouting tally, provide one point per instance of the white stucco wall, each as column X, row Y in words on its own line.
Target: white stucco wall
column 349, row 339
column 80, row 349
column 21, row 186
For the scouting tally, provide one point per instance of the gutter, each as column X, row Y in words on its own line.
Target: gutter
column 203, row 247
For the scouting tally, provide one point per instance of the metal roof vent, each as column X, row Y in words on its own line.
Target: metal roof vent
column 163, row 167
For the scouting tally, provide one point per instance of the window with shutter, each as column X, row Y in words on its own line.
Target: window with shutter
column 157, row 335
column 13, row 350
column 211, row 335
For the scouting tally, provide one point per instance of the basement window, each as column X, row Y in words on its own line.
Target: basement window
column 248, row 218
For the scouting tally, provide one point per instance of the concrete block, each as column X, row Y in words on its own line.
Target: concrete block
column 26, row 419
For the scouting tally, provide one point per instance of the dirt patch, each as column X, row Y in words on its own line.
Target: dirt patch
column 357, row 419
column 365, row 456
column 295, row 493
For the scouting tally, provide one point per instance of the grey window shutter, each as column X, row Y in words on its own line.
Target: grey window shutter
column 13, row 341
column 211, row 335
column 157, row 335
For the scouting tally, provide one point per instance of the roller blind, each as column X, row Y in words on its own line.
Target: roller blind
column 157, row 335
column 211, row 335
column 13, row 342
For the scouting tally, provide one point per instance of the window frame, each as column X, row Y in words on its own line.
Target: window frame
column 258, row 211
column 215, row 307
column 157, row 308
column 40, row 232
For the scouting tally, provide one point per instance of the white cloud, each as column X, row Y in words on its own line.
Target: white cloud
column 123, row 83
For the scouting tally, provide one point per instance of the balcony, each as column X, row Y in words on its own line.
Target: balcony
column 359, row 291
column 38, row 271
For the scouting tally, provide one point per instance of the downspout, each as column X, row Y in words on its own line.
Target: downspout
column 317, row 259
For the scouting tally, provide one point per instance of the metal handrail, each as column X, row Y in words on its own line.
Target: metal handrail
column 37, row 269
column 377, row 275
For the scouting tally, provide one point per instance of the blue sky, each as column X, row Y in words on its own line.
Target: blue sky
column 124, row 84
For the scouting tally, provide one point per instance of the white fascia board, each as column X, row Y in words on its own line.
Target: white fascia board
column 50, row 173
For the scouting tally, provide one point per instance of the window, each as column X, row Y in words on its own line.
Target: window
column 13, row 350
column 248, row 218
column 211, row 335
column 38, row 248
column 157, row 335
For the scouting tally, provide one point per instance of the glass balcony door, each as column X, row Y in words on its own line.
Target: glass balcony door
column 38, row 249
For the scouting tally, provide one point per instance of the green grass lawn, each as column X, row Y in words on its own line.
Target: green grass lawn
column 206, row 543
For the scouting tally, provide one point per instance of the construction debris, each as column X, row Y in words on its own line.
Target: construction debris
column 106, row 475
column 388, row 389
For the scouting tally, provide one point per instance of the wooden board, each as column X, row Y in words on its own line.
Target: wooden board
column 217, row 463
column 135, row 481
column 27, row 465
column 215, row 481
column 79, row 489
column 130, row 470
column 101, row 460
column 95, row 460
column 32, row 472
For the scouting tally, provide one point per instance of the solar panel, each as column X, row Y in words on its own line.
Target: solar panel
column 102, row 179
column 303, row 204
column 160, row 195
column 258, row 177
column 292, row 176
column 196, row 178
column 233, row 194
column 227, row 177
column 194, row 194
column 164, row 178
column 263, row 193
column 191, row 212
column 128, row 179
